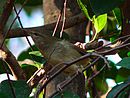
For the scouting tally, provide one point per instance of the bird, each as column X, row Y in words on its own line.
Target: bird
column 57, row 51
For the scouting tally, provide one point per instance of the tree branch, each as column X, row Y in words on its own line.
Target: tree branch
column 6, row 13
column 48, row 27
column 11, row 60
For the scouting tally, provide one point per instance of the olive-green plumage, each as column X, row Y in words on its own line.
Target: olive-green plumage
column 58, row 51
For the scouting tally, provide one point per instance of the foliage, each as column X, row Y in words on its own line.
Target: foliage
column 20, row 88
column 117, row 89
column 99, row 22
column 121, row 74
column 106, row 18
column 97, row 9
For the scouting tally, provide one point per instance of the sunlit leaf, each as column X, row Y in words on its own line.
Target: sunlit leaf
column 83, row 7
column 36, row 53
column 100, row 22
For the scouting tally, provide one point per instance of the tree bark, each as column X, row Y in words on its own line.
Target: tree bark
column 52, row 9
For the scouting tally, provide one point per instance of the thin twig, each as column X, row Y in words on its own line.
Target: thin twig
column 57, row 23
column 97, row 73
column 13, row 22
column 120, row 38
column 36, row 77
column 11, row 60
column 18, row 17
column 113, row 49
column 61, row 86
column 88, row 66
column 66, row 65
column 88, row 27
column 41, row 76
column 64, row 17
column 126, row 40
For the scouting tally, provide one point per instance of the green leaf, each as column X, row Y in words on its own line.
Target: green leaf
column 25, row 54
column 117, row 88
column 29, row 70
column 125, row 62
column 128, row 54
column 111, row 72
column 101, row 84
column 124, row 93
column 122, row 75
column 2, row 70
column 117, row 14
column 3, row 95
column 21, row 89
column 83, row 8
column 123, row 53
column 99, row 22
column 36, row 53
column 110, row 28
column 104, row 6
column 120, row 79
column 37, row 56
